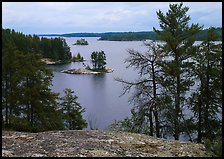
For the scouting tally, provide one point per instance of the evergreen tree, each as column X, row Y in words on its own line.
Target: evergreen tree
column 98, row 59
column 206, row 102
column 94, row 59
column 28, row 103
column 54, row 48
column 101, row 61
column 72, row 111
column 179, row 39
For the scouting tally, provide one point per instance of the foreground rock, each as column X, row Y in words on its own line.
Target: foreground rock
column 86, row 71
column 94, row 143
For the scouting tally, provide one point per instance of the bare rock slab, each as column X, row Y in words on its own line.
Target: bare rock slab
column 94, row 143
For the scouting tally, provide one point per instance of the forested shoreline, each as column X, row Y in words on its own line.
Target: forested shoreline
column 53, row 48
column 133, row 36
column 28, row 103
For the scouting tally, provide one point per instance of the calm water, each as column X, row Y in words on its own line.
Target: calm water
column 99, row 94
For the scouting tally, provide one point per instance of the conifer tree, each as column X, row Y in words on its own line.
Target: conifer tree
column 72, row 111
column 206, row 102
column 179, row 38
column 145, row 97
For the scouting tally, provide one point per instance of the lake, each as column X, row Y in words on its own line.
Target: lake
column 99, row 94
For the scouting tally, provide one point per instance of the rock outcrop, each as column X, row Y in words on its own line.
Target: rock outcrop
column 49, row 61
column 86, row 71
column 74, row 143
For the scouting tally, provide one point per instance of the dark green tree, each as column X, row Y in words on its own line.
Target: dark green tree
column 101, row 61
column 179, row 38
column 98, row 59
column 72, row 111
column 28, row 103
column 94, row 59
column 206, row 101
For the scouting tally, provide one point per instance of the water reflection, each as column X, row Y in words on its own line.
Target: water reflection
column 98, row 81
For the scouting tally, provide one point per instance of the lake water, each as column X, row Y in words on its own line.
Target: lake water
column 99, row 94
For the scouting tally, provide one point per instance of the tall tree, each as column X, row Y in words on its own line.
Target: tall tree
column 179, row 39
column 206, row 102
column 146, row 94
column 25, row 85
column 94, row 59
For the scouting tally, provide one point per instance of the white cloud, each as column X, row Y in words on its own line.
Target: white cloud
column 96, row 16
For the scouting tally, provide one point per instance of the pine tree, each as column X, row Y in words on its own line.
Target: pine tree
column 28, row 103
column 145, row 98
column 72, row 111
column 206, row 102
column 179, row 39
column 98, row 59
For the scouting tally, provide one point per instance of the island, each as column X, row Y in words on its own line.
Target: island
column 81, row 42
column 87, row 71
column 78, row 58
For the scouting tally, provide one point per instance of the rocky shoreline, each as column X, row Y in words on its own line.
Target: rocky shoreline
column 94, row 143
column 50, row 61
column 86, row 71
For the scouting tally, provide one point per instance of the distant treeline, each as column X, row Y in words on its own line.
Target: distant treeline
column 83, row 34
column 132, row 36
column 54, row 48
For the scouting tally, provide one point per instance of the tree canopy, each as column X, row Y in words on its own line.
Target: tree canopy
column 98, row 59
column 28, row 103
column 54, row 48
column 179, row 88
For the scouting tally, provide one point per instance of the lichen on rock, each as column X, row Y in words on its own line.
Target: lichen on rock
column 94, row 143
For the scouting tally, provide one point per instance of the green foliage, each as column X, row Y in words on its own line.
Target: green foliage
column 25, row 82
column 139, row 36
column 173, row 68
column 78, row 58
column 28, row 104
column 132, row 36
column 72, row 111
column 54, row 48
column 206, row 102
column 121, row 125
column 98, row 60
column 81, row 42
column 179, row 39
column 134, row 124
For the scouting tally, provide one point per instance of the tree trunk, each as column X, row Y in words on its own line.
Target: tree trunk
column 199, row 126
column 207, row 131
column 207, row 96
column 157, row 123
column 177, row 103
column 6, row 101
column 155, row 101
column 151, row 121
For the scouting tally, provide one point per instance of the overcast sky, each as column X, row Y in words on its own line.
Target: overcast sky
column 68, row 17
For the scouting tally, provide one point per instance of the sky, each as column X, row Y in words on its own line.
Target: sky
column 76, row 17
